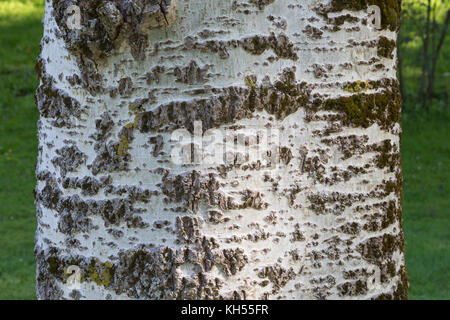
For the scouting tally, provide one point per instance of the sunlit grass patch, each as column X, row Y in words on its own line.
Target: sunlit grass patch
column 13, row 10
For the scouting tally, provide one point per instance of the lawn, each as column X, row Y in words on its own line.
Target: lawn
column 426, row 162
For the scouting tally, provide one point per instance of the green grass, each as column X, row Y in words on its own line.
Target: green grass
column 426, row 162
column 20, row 33
column 426, row 205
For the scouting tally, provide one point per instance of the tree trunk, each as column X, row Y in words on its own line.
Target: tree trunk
column 290, row 187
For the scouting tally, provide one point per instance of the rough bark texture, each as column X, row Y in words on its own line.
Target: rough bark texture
column 318, row 218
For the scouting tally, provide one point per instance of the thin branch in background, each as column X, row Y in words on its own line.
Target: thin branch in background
column 435, row 58
column 425, row 41
column 400, row 63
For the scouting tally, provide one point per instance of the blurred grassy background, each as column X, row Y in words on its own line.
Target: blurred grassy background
column 426, row 159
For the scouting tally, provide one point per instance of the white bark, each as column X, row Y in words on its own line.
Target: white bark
column 320, row 218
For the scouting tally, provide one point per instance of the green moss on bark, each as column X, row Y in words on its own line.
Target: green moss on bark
column 386, row 47
column 363, row 110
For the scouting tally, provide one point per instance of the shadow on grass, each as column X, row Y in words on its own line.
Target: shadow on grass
column 426, row 205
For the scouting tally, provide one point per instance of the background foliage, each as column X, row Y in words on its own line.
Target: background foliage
column 426, row 154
